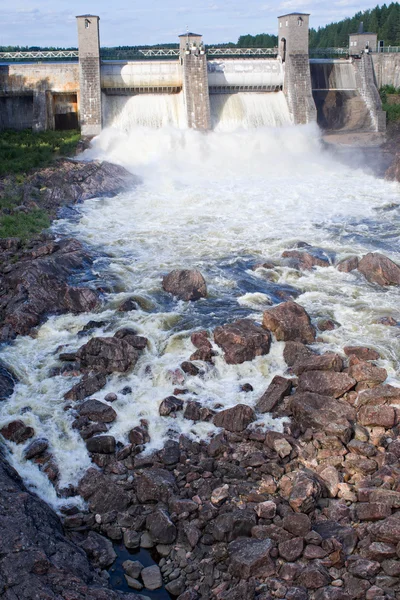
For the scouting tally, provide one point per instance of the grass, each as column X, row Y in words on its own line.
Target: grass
column 20, row 152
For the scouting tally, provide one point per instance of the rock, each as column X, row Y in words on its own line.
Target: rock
column 7, row 383
column 17, row 432
column 303, row 259
column 344, row 534
column 379, row 269
column 108, row 355
column 319, row 362
column 155, row 485
column 327, row 324
column 305, row 493
column 236, row 418
column 380, row 551
column 377, row 416
column 151, row 577
column 298, row 524
column 169, row 406
column 189, row 368
column 348, row 264
column 364, row 372
column 133, row 583
column 161, row 528
column 97, row 411
column 88, row 385
column 361, row 567
column 289, row 322
column 266, row 510
column 242, row 340
column 274, row 394
column 296, row 352
column 250, row 558
column 323, row 412
column 330, row 477
column 185, row 284
column 176, row 587
column 361, row 352
column 390, row 497
column 200, row 339
column 127, row 306
column 220, row 494
column 326, row 383
column 99, row 549
column 372, row 511
column 101, row 444
column 102, row 494
column 381, row 394
column 36, row 448
column 314, row 576
column 133, row 568
column 132, row 539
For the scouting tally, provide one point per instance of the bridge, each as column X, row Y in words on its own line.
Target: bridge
column 67, row 88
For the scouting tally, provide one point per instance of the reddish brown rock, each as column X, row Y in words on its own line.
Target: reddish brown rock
column 200, row 339
column 292, row 549
column 379, row 269
column 305, row 492
column 242, row 340
column 378, row 416
column 297, row 523
column 97, row 411
column 250, row 558
column 108, row 355
column 361, row 352
column 169, row 406
column 372, row 511
column 236, row 418
column 326, row 383
column 17, row 432
column 274, row 394
column 319, row 362
column 348, row 264
column 323, row 412
column 289, row 322
column 301, row 259
column 101, row 444
column 296, row 352
column 88, row 385
column 365, row 372
column 381, row 394
column 314, row 576
column 185, row 284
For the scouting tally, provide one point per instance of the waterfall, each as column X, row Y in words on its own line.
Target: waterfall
column 332, row 75
column 248, row 110
column 143, row 110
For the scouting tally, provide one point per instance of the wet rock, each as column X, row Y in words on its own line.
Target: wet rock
column 185, row 284
column 204, row 353
column 361, row 352
column 169, row 406
column 133, row 568
column 200, row 339
column 327, row 324
column 379, row 269
column 17, row 432
column 326, row 383
column 129, row 335
column 274, row 394
column 348, row 264
column 97, row 411
column 128, row 305
column 160, row 527
column 242, row 340
column 296, row 352
column 132, row 539
column 36, row 448
column 152, row 578
column 251, row 558
column 88, row 385
column 99, row 549
column 303, row 259
column 246, row 387
column 108, row 355
column 101, row 444
column 139, row 435
column 289, row 322
column 133, row 583
column 323, row 412
column 189, row 368
column 155, row 485
column 7, row 383
column 381, row 394
column 319, row 362
column 236, row 418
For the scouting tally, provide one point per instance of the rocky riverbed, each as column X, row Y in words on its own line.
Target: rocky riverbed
column 309, row 509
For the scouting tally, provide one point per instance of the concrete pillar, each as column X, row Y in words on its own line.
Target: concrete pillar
column 39, row 121
column 368, row 90
column 293, row 51
column 89, row 74
column 195, row 81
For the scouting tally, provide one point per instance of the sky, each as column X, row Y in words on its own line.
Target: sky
column 130, row 23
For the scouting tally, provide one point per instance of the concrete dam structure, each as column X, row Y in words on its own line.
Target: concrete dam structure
column 193, row 86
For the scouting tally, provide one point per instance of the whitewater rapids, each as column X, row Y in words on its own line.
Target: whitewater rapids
column 220, row 203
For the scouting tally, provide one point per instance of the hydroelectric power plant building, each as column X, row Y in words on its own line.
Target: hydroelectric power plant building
column 341, row 93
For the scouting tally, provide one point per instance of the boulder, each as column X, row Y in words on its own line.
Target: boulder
column 289, row 322
column 292, row 549
column 200, row 339
column 319, row 362
column 303, row 259
column 99, row 549
column 366, row 373
column 297, row 523
column 133, row 568
column 108, row 355
column 373, row 511
column 379, row 395
column 251, row 558
column 323, row 412
column 155, row 485
column 348, row 264
column 87, row 386
column 305, row 493
column 169, row 406
column 152, row 578
column 185, row 284
column 326, row 383
column 36, row 448
column 101, row 493
column 361, row 352
column 387, row 531
column 314, row 576
column 7, row 383
column 378, row 416
column 346, row 535
column 242, row 340
column 379, row 269
column 296, row 352
column 17, row 432
column 274, row 394
column 160, row 527
column 236, row 418
column 101, row 444
column 97, row 411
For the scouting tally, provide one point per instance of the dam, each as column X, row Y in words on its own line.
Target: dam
column 193, row 86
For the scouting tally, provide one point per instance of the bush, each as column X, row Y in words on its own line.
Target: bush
column 24, row 225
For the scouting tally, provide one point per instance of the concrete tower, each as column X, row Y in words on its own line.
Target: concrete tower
column 293, row 50
column 89, row 74
column 195, row 81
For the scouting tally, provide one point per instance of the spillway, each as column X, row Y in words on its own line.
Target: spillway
column 248, row 110
column 144, row 110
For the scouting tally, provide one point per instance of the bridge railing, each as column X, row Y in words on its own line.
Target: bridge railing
column 39, row 55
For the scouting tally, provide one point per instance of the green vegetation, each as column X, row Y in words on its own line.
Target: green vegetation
column 390, row 96
column 383, row 20
column 262, row 40
column 21, row 151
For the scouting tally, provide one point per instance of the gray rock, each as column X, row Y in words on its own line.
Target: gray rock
column 161, row 528
column 151, row 577
column 97, row 411
column 99, row 549
column 251, row 558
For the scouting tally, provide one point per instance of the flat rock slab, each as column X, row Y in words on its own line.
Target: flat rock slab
column 152, row 578
column 326, row 383
column 242, row 340
column 274, row 394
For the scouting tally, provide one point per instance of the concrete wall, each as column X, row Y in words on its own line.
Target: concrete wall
column 328, row 74
column 366, row 85
column 141, row 74
column 89, row 74
column 387, row 69
column 266, row 74
column 16, row 112
column 195, row 82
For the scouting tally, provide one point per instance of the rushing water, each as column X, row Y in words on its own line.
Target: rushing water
column 221, row 203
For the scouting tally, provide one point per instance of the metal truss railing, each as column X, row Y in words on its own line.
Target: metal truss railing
column 39, row 55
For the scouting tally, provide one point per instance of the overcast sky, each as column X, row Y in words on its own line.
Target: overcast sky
column 132, row 22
